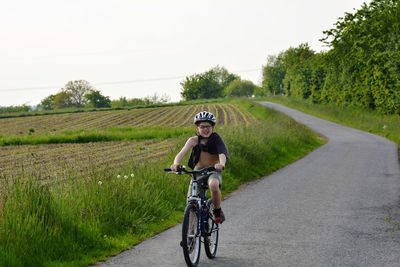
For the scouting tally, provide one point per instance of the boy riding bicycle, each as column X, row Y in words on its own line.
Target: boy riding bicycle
column 208, row 149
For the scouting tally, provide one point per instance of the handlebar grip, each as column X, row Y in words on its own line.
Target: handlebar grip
column 167, row 170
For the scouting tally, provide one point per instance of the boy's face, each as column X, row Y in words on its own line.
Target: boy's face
column 205, row 129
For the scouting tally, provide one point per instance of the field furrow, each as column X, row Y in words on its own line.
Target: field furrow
column 145, row 117
column 55, row 161
column 232, row 111
column 161, row 115
column 176, row 116
column 97, row 122
column 127, row 119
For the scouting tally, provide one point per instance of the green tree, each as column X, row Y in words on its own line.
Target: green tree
column 240, row 88
column 209, row 84
column 76, row 94
column 120, row 102
column 319, row 68
column 273, row 74
column 365, row 48
column 297, row 81
column 62, row 100
column 10, row 109
column 361, row 68
column 47, row 103
column 77, row 91
column 96, row 99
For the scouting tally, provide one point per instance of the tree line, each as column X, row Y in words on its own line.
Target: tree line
column 361, row 68
column 216, row 82
column 81, row 94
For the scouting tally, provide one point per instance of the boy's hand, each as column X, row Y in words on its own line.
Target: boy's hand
column 219, row 167
column 174, row 167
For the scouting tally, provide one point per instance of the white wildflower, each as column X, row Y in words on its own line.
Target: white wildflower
column 118, row 176
column 132, row 175
column 125, row 176
column 100, row 182
column 384, row 126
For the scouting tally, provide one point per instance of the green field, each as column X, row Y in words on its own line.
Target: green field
column 72, row 204
column 175, row 116
column 66, row 143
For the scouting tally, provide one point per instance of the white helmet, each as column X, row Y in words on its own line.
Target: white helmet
column 204, row 116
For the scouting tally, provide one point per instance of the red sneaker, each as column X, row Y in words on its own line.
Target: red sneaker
column 219, row 216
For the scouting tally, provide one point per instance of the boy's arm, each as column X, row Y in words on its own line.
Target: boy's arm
column 190, row 143
column 221, row 164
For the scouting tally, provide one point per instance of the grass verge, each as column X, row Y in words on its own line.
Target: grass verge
column 86, row 219
column 96, row 135
column 5, row 115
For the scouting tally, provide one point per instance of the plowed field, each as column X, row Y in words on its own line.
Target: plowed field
column 165, row 116
column 58, row 161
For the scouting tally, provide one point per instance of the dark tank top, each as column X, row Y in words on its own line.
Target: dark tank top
column 215, row 146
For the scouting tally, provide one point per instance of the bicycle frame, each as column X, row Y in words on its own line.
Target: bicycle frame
column 199, row 200
column 198, row 208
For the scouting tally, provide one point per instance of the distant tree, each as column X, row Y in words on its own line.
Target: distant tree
column 209, row 84
column 137, row 102
column 260, row 91
column 273, row 75
column 47, row 103
column 153, row 99
column 96, row 99
column 120, row 102
column 77, row 91
column 62, row 100
column 223, row 76
column 164, row 98
column 9, row 109
column 156, row 99
column 240, row 88
column 297, row 81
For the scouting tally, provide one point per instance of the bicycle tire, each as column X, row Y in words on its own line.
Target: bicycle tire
column 191, row 242
column 211, row 240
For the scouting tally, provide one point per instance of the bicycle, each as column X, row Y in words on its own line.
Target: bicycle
column 198, row 221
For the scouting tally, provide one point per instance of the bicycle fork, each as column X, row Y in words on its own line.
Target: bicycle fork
column 202, row 213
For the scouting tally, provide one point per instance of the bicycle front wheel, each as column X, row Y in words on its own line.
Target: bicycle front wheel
column 211, row 239
column 191, row 236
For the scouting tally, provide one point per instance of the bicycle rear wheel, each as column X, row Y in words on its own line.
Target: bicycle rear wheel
column 191, row 236
column 211, row 240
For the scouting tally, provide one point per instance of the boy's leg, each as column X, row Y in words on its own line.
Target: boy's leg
column 213, row 183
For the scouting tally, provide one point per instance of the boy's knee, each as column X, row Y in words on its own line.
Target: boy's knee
column 214, row 185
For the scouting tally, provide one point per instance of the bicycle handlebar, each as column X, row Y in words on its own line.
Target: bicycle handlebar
column 183, row 169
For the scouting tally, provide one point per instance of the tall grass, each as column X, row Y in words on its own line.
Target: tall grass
column 367, row 120
column 85, row 219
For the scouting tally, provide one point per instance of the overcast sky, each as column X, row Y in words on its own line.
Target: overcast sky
column 138, row 48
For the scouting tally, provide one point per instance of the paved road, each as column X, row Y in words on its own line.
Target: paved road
column 338, row 206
